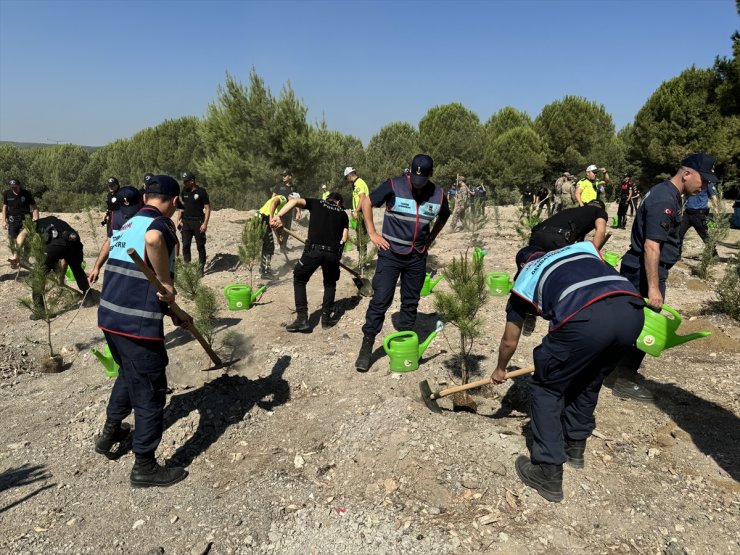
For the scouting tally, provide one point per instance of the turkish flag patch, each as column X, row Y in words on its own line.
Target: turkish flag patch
column 668, row 212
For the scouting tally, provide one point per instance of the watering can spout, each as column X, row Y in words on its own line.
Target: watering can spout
column 676, row 340
column 257, row 293
column 423, row 346
column 106, row 359
column 436, row 281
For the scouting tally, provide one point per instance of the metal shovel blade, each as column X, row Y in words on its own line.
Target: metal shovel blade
column 364, row 286
column 426, row 396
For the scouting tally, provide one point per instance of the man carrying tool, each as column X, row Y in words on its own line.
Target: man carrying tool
column 571, row 226
column 359, row 192
column 192, row 220
column 412, row 203
column 286, row 188
column 275, row 203
column 131, row 315
column 654, row 248
column 328, row 230
column 577, row 292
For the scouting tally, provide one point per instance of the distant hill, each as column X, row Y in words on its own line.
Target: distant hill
column 26, row 146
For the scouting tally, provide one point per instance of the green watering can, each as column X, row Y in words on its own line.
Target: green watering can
column 612, row 258
column 106, row 359
column 429, row 284
column 70, row 275
column 499, row 283
column 404, row 351
column 353, row 223
column 659, row 332
column 240, row 296
column 479, row 253
column 615, row 221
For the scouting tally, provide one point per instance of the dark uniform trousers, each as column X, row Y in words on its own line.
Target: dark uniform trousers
column 190, row 229
column 412, row 270
column 15, row 225
column 304, row 269
column 72, row 253
column 549, row 239
column 570, row 367
column 141, row 386
column 633, row 268
column 622, row 212
column 696, row 218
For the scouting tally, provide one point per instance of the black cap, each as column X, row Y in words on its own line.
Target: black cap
column 163, row 185
column 527, row 254
column 422, row 167
column 597, row 202
column 287, row 172
column 14, row 182
column 130, row 200
column 148, row 176
column 703, row 163
column 112, row 181
column 188, row 176
column 335, row 196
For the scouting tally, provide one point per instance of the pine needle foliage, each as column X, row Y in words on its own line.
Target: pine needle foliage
column 187, row 278
column 718, row 230
column 527, row 218
column 460, row 305
column 206, row 308
column 250, row 249
column 47, row 286
column 728, row 289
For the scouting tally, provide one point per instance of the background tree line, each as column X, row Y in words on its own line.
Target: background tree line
column 248, row 136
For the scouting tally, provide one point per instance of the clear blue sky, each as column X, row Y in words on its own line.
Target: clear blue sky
column 89, row 72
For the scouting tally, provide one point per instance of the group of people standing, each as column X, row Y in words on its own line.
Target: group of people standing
column 560, row 277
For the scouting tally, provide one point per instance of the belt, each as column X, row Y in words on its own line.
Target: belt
column 199, row 218
column 639, row 255
column 322, row 248
column 697, row 210
column 547, row 229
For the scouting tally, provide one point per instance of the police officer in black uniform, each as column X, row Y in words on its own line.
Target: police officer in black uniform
column 412, row 203
column 655, row 247
column 62, row 243
column 576, row 291
column 571, row 226
column 193, row 218
column 17, row 203
column 111, row 204
column 328, row 230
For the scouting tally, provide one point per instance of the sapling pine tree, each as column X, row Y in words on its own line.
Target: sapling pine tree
column 527, row 218
column 250, row 248
column 719, row 229
column 460, row 305
column 188, row 284
column 728, row 289
column 92, row 224
column 48, row 297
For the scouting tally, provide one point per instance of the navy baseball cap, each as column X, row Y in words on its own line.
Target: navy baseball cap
column 130, row 200
column 14, row 182
column 112, row 181
column 163, row 185
column 336, row 196
column 286, row 173
column 702, row 163
column 422, row 167
column 527, row 254
column 188, row 176
column 148, row 176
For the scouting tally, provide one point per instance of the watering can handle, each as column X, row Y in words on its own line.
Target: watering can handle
column 228, row 288
column 670, row 310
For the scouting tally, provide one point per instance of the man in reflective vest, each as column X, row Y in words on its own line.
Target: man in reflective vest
column 575, row 290
column 131, row 315
column 412, row 203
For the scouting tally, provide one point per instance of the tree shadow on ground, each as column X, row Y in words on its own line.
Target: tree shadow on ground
column 222, row 403
column 22, row 476
column 180, row 336
column 454, row 366
column 714, row 429
column 222, row 263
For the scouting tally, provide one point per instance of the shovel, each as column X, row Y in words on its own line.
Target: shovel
column 177, row 311
column 430, row 398
column 363, row 284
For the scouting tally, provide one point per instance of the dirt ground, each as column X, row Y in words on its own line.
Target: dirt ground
column 290, row 450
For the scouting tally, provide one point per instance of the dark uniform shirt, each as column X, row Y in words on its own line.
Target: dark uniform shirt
column 328, row 222
column 193, row 202
column 577, row 222
column 658, row 219
column 18, row 205
column 111, row 201
column 56, row 231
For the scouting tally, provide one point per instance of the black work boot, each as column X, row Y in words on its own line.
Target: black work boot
column 300, row 324
column 547, row 479
column 574, row 450
column 147, row 473
column 362, row 364
column 328, row 320
column 626, row 386
column 113, row 432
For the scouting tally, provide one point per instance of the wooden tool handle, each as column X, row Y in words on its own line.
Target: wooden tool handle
column 479, row 383
column 606, row 238
column 294, row 236
column 174, row 308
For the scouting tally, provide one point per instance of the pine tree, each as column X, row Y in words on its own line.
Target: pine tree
column 250, row 248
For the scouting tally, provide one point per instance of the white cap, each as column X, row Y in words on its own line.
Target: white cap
column 323, row 186
column 592, row 168
column 348, row 170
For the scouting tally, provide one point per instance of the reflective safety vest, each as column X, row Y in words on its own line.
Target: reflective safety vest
column 406, row 223
column 128, row 304
column 565, row 281
column 588, row 190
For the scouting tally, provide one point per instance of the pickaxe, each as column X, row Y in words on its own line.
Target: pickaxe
column 430, row 398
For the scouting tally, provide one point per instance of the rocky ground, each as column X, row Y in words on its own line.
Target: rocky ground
column 290, row 450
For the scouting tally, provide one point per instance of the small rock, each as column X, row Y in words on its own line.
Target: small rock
column 434, row 510
column 653, row 452
column 299, row 462
column 138, row 524
column 680, row 528
column 19, row 445
column 470, row 482
column 71, row 521
column 174, row 519
column 156, row 551
column 503, row 537
column 202, row 548
column 390, row 486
